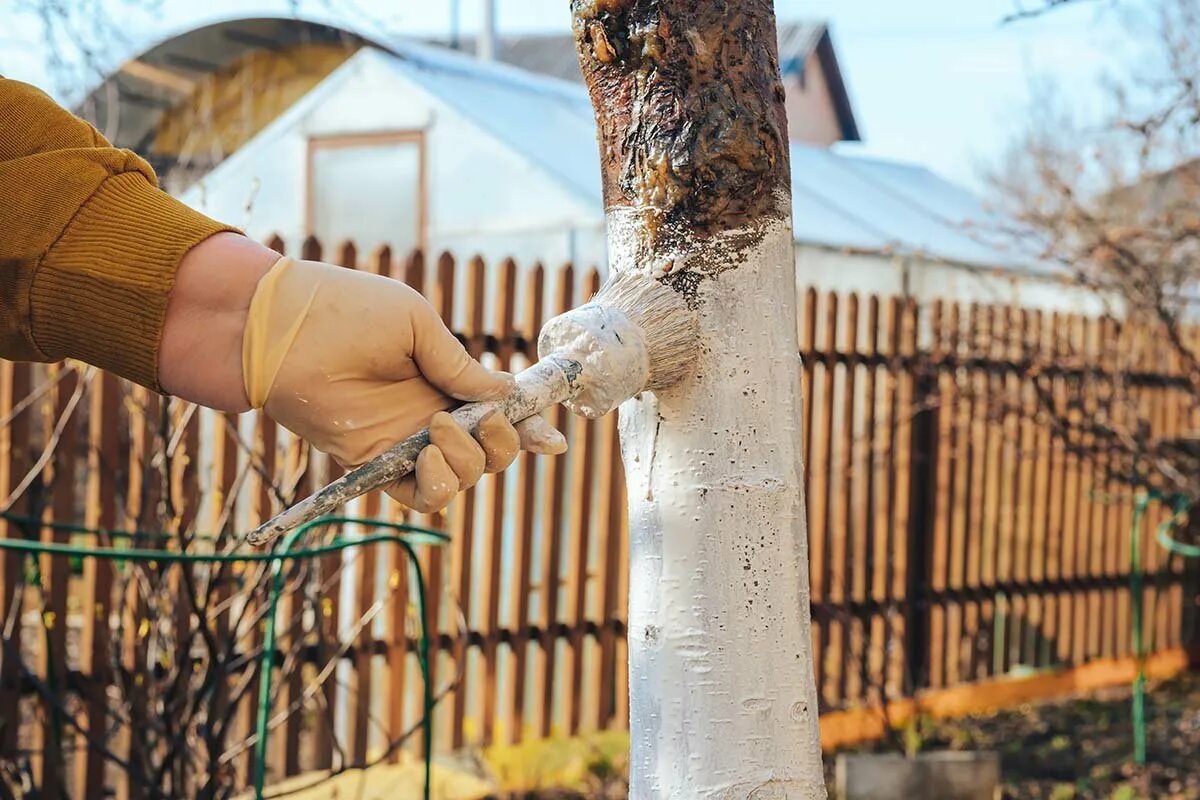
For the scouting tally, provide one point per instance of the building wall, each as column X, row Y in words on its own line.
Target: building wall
column 482, row 198
column 926, row 281
column 485, row 199
column 812, row 118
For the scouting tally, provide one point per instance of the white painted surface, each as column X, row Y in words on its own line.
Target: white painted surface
column 611, row 350
column 484, row 197
column 722, row 698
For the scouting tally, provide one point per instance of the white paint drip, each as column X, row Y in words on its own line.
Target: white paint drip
column 722, row 698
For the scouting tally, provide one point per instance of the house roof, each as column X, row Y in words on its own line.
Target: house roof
column 873, row 205
column 129, row 104
column 790, row 58
column 549, row 121
column 839, row 201
column 550, row 54
column 554, row 54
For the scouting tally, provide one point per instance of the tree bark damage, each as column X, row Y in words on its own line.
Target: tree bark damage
column 692, row 136
column 690, row 109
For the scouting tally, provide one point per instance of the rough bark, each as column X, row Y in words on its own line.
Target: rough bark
column 692, row 132
column 690, row 109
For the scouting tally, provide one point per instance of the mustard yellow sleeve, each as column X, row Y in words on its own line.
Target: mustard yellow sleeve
column 88, row 244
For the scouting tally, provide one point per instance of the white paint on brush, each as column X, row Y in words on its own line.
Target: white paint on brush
column 610, row 348
column 722, row 699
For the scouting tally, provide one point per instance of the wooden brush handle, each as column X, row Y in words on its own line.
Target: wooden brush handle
column 549, row 381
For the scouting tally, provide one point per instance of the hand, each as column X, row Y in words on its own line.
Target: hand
column 353, row 363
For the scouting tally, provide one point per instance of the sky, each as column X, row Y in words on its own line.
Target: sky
column 937, row 82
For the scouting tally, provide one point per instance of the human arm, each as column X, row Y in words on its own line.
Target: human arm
column 89, row 246
column 99, row 265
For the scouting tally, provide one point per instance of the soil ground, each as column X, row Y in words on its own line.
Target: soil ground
column 1075, row 749
column 1078, row 749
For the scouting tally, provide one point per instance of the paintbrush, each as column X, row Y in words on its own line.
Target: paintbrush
column 637, row 333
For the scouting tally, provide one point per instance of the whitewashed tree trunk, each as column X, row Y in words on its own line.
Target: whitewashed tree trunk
column 692, row 137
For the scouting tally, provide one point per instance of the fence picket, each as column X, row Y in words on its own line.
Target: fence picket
column 100, row 511
column 59, row 481
column 610, row 492
column 965, row 519
column 553, row 497
column 1021, row 505
column 434, row 559
column 366, row 560
column 849, row 644
column 906, row 411
column 871, row 586
column 1008, row 468
column 504, row 328
column 827, row 655
column 141, row 514
column 943, row 476
column 524, row 521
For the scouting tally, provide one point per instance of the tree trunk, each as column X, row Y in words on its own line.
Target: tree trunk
column 695, row 167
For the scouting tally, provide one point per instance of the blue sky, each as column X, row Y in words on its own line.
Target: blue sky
column 938, row 82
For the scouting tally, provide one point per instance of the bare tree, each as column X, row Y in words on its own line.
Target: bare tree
column 168, row 709
column 694, row 160
column 1115, row 201
column 83, row 39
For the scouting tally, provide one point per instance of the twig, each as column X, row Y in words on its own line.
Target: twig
column 48, row 451
column 1022, row 13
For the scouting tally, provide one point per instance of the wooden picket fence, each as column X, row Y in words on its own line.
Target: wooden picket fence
column 956, row 533
column 964, row 520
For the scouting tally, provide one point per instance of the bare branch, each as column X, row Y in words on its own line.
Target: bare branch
column 1023, row 11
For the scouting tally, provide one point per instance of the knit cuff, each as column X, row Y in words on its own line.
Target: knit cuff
column 100, row 293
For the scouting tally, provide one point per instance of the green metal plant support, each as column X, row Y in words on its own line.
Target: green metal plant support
column 402, row 535
column 1141, row 502
column 1180, row 504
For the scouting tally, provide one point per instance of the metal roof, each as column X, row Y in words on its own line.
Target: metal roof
column 839, row 200
column 873, row 205
column 128, row 105
column 554, row 54
column 550, row 54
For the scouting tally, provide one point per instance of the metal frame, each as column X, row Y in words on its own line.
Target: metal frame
column 400, row 534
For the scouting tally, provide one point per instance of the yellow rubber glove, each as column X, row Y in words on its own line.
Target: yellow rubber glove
column 354, row 362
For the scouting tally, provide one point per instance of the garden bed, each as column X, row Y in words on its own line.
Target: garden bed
column 1077, row 749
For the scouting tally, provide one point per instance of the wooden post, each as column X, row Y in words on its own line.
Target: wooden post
column 524, row 515
column 96, row 600
column 923, row 557
column 60, row 482
column 494, row 519
column 694, row 159
column 552, row 542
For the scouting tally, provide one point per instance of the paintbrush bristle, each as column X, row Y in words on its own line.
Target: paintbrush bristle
column 666, row 321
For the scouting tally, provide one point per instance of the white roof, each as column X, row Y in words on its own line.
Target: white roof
column 855, row 203
column 839, row 200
